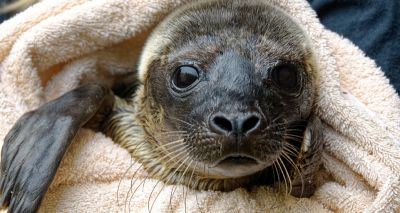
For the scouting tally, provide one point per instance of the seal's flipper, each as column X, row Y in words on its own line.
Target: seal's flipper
column 33, row 149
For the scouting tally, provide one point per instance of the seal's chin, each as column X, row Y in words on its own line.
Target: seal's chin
column 235, row 166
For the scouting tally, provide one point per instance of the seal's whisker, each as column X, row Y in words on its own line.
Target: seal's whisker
column 277, row 118
column 170, row 137
column 298, row 170
column 296, row 140
column 174, row 136
column 283, row 174
column 298, row 130
column 176, row 157
column 293, row 136
column 171, row 175
column 184, row 189
column 134, row 175
column 143, row 181
column 275, row 125
column 165, row 142
column 172, row 132
column 181, row 161
column 183, row 177
column 288, row 159
column 123, row 176
column 287, row 176
column 290, row 150
column 173, row 153
column 171, row 196
column 277, row 174
column 190, row 181
column 182, row 121
column 191, row 175
column 182, row 157
column 168, row 147
column 134, row 192
column 172, row 193
column 130, row 189
column 160, row 192
column 291, row 162
column 131, row 164
column 148, row 201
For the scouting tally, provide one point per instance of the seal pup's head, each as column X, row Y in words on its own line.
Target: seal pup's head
column 226, row 90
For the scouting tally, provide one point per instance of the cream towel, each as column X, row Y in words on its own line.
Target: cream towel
column 55, row 45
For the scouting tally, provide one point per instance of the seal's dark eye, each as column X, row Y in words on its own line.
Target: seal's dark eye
column 286, row 77
column 184, row 76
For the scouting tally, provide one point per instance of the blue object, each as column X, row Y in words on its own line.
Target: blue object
column 372, row 25
column 4, row 17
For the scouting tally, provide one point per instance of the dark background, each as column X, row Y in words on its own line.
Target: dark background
column 4, row 16
column 373, row 25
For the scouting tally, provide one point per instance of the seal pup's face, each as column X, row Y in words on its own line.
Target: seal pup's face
column 226, row 85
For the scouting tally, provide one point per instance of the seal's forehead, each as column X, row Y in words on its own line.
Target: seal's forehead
column 230, row 21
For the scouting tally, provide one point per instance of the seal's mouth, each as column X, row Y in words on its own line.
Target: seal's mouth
column 237, row 160
column 235, row 165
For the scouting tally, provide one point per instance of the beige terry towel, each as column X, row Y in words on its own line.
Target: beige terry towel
column 57, row 44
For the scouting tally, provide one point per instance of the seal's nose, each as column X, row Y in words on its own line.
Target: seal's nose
column 236, row 125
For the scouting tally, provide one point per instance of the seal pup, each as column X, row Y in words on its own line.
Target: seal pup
column 223, row 99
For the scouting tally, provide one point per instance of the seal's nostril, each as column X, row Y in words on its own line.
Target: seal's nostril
column 238, row 125
column 222, row 123
column 250, row 124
